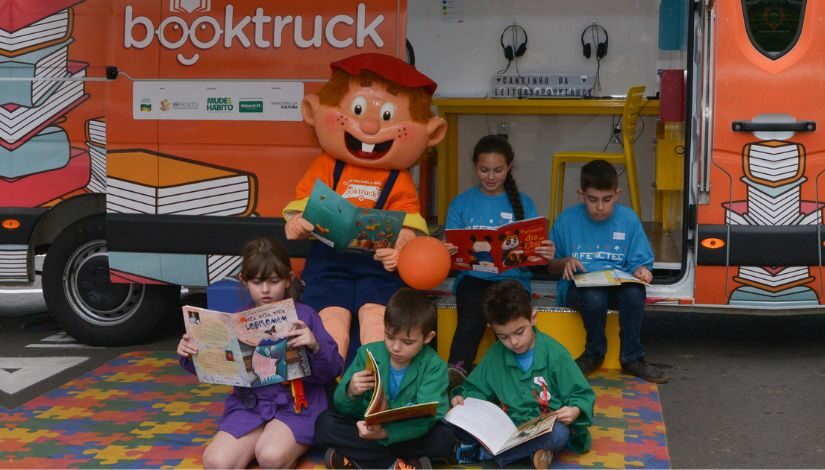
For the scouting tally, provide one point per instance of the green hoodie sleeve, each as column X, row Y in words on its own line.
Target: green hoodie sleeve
column 574, row 390
column 478, row 383
column 431, row 386
column 355, row 407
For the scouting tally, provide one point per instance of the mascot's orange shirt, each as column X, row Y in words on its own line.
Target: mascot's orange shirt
column 361, row 186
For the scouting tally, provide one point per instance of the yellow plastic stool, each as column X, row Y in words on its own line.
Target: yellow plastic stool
column 562, row 324
column 630, row 117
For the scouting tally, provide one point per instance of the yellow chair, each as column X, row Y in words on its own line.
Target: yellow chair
column 630, row 117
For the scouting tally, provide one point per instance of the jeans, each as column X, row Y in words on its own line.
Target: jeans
column 593, row 302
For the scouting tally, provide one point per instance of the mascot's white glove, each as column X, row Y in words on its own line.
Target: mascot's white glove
column 389, row 256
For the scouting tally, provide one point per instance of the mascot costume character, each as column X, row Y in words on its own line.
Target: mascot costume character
column 373, row 122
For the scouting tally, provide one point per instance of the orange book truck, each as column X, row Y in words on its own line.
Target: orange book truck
column 144, row 141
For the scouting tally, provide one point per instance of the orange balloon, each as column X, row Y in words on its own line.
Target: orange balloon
column 424, row 263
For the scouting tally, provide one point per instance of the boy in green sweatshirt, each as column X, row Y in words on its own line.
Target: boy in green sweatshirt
column 527, row 373
column 411, row 374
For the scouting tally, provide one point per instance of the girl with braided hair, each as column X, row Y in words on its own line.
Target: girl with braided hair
column 495, row 201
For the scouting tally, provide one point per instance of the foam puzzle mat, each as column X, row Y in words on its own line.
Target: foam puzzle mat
column 141, row 410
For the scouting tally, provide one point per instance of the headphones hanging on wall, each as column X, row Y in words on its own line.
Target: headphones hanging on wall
column 601, row 46
column 516, row 49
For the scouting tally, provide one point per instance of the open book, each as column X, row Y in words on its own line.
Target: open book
column 610, row 277
column 347, row 228
column 377, row 410
column 493, row 428
column 246, row 349
column 509, row 246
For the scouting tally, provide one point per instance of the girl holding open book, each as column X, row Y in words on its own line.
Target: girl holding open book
column 494, row 202
column 274, row 424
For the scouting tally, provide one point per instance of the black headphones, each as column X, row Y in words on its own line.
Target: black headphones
column 520, row 49
column 601, row 46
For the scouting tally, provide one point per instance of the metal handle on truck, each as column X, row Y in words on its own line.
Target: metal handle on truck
column 751, row 126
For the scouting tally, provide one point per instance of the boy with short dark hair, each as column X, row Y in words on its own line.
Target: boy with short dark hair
column 601, row 235
column 527, row 373
column 412, row 374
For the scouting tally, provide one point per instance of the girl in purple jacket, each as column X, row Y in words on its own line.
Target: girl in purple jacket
column 268, row 423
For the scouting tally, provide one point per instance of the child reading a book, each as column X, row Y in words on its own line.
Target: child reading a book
column 411, row 374
column 527, row 373
column 599, row 234
column 495, row 201
column 274, row 424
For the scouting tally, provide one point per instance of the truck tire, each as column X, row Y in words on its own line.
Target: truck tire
column 86, row 304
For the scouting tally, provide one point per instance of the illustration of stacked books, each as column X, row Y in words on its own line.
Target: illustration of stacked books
column 96, row 141
column 37, row 163
column 143, row 182
column 774, row 177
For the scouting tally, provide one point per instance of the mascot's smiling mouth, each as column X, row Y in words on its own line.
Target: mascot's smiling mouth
column 364, row 150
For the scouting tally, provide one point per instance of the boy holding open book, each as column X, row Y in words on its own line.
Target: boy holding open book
column 601, row 235
column 528, row 374
column 409, row 374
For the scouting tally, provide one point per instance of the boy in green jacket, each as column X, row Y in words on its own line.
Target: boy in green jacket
column 527, row 373
column 411, row 374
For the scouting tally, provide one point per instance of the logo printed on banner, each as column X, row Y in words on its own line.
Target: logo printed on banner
column 219, row 104
column 248, row 106
column 265, row 31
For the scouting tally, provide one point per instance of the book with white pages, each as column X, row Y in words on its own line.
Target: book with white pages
column 31, row 25
column 19, row 123
column 35, row 75
column 606, row 278
column 491, row 426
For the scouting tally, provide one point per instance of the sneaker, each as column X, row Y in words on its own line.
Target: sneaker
column 542, row 459
column 456, row 375
column 588, row 362
column 645, row 370
column 466, row 453
column 335, row 459
column 420, row 462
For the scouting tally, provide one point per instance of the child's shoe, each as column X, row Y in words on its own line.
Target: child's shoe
column 335, row 459
column 456, row 373
column 466, row 453
column 420, row 462
column 542, row 459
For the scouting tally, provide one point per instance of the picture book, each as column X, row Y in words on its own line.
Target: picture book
column 377, row 410
column 610, row 277
column 348, row 228
column 246, row 349
column 496, row 250
column 493, row 428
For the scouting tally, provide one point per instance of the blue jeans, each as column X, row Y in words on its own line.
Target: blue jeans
column 593, row 302
column 554, row 441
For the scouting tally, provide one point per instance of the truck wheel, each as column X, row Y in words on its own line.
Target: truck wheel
column 83, row 300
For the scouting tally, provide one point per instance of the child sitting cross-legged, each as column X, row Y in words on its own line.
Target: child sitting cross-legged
column 411, row 373
column 527, row 373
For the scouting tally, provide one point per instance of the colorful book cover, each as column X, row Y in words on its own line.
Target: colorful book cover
column 40, row 188
column 496, row 250
column 347, row 228
column 246, row 349
column 46, row 151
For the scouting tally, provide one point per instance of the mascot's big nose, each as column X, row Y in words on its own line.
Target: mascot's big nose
column 370, row 126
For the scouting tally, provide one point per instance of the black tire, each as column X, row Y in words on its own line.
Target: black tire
column 83, row 300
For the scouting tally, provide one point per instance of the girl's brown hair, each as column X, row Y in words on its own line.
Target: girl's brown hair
column 263, row 258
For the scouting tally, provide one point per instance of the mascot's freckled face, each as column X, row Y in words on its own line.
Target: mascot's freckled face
column 372, row 127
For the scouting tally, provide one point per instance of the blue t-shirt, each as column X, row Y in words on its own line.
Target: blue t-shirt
column 396, row 377
column 616, row 243
column 525, row 359
column 473, row 209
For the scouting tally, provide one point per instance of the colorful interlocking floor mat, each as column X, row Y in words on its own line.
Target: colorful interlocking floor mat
column 142, row 410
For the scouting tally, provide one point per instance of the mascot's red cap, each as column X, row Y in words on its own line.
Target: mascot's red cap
column 387, row 67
